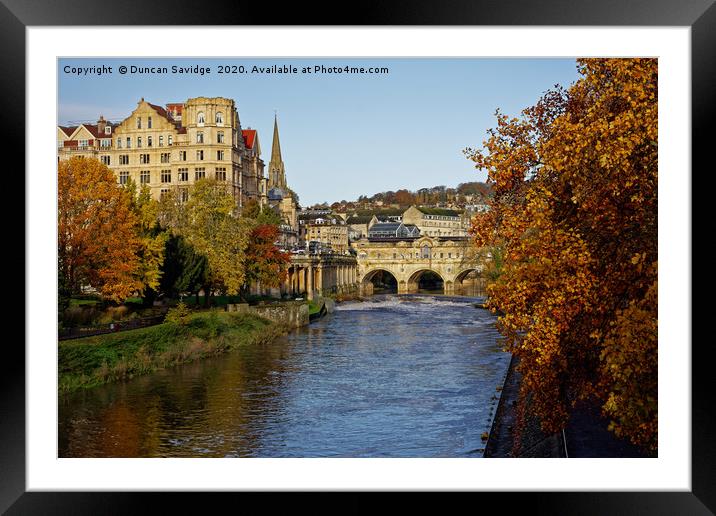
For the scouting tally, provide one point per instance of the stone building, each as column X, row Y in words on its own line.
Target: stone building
column 173, row 147
column 331, row 231
column 436, row 222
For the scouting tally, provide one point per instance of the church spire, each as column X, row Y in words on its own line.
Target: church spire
column 277, row 173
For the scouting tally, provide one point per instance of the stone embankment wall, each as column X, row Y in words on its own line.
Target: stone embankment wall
column 292, row 315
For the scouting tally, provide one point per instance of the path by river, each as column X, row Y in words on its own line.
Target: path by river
column 396, row 376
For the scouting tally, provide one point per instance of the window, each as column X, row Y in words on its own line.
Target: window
column 426, row 251
column 129, row 142
column 220, row 155
column 220, row 137
column 139, row 123
column 182, row 155
column 149, row 122
column 170, row 139
column 199, row 137
column 106, row 143
column 161, row 141
column 83, row 144
column 166, row 176
column 144, row 177
column 105, row 160
column 107, row 129
column 164, row 158
column 144, row 158
column 183, row 174
column 139, row 142
column 184, row 197
column 163, row 193
column 124, row 159
column 221, row 174
column 119, row 143
column 200, row 118
column 219, row 118
column 200, row 155
column 199, row 173
column 123, row 176
column 149, row 141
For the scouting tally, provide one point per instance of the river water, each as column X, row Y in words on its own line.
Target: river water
column 396, row 376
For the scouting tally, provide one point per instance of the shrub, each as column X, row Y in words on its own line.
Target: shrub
column 178, row 315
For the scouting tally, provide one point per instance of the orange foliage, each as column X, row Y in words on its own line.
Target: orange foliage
column 575, row 214
column 97, row 240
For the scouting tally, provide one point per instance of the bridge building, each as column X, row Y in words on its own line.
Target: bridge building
column 454, row 260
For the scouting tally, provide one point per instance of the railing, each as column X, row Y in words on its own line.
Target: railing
column 88, row 331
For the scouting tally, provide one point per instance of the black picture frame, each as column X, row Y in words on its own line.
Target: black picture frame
column 16, row 15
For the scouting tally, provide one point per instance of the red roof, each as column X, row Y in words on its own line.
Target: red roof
column 161, row 111
column 68, row 130
column 175, row 106
column 92, row 128
column 249, row 137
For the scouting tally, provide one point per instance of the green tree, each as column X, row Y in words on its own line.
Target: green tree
column 209, row 222
column 184, row 270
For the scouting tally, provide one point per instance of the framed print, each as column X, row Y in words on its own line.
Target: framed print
column 224, row 183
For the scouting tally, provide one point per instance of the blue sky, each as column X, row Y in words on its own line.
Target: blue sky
column 341, row 135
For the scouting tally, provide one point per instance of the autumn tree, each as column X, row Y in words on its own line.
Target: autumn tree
column 97, row 241
column 404, row 197
column 265, row 262
column 209, row 222
column 152, row 237
column 574, row 211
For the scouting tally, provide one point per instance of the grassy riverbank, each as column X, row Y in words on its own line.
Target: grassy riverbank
column 91, row 361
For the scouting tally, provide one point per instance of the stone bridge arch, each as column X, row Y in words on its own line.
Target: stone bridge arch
column 366, row 285
column 413, row 281
column 470, row 281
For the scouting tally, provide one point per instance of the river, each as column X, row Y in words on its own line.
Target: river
column 395, row 376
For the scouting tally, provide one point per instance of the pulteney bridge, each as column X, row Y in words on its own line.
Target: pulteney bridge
column 452, row 259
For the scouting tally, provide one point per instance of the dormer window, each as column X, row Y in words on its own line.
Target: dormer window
column 107, row 129
column 219, row 118
column 200, row 118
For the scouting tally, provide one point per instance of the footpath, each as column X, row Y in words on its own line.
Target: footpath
column 585, row 436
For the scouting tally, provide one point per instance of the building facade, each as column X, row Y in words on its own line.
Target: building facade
column 333, row 232
column 436, row 222
column 174, row 147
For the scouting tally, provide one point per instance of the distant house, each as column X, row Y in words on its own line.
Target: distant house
column 383, row 230
column 436, row 221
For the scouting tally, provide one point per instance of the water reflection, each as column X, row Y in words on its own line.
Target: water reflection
column 409, row 376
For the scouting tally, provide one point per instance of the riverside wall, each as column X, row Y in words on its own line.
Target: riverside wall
column 289, row 314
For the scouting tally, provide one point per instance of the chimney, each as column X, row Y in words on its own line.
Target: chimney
column 101, row 124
